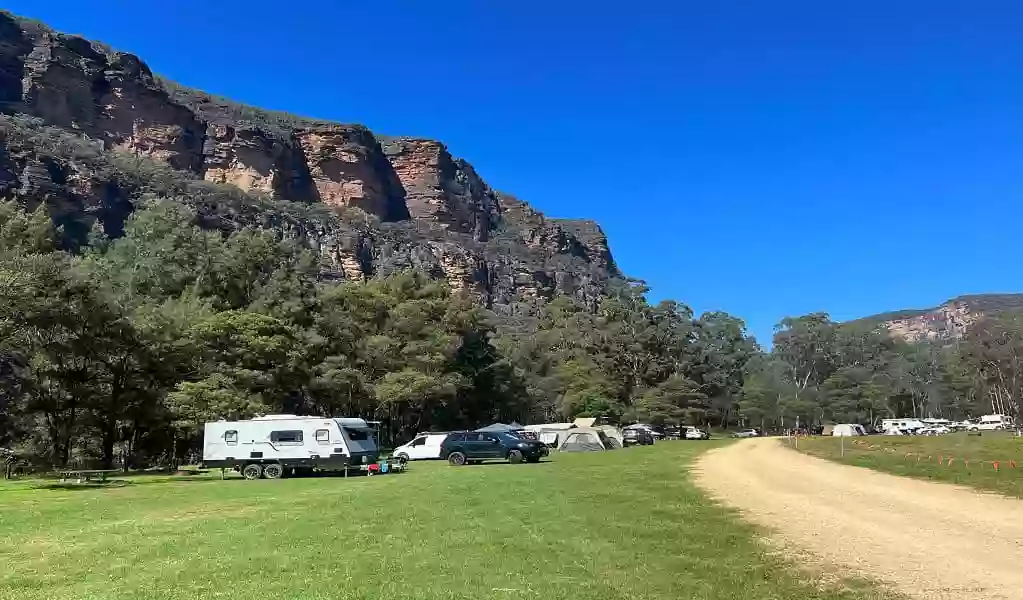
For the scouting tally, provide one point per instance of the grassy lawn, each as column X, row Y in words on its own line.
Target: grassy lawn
column 890, row 455
column 622, row 524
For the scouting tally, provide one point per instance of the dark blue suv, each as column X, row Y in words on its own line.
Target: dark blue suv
column 470, row 446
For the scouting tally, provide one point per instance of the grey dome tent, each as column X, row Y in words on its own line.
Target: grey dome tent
column 584, row 439
column 500, row 427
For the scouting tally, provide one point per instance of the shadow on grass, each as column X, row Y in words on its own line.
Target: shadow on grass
column 501, row 461
column 91, row 485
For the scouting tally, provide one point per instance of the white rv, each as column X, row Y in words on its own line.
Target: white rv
column 275, row 445
column 992, row 423
column 901, row 426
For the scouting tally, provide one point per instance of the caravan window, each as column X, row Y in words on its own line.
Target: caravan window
column 286, row 437
column 231, row 437
column 323, row 436
column 357, row 435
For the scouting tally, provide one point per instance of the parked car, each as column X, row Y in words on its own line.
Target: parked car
column 471, row 446
column 992, row 423
column 647, row 428
column 746, row 433
column 673, row 432
column 936, row 430
column 695, row 433
column 424, row 446
column 637, row 437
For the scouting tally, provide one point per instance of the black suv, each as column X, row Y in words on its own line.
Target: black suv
column 467, row 446
column 637, row 437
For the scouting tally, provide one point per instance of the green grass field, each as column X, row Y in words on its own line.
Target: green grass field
column 890, row 455
column 622, row 524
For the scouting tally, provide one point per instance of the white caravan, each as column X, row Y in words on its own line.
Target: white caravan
column 275, row 445
column 991, row 423
column 423, row 447
column 901, row 426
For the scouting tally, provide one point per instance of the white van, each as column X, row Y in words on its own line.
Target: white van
column 424, row 446
column 992, row 422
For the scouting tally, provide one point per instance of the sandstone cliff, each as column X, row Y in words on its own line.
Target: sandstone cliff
column 423, row 208
column 950, row 320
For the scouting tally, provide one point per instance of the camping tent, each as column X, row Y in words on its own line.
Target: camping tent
column 501, row 427
column 847, row 430
column 584, row 439
column 614, row 435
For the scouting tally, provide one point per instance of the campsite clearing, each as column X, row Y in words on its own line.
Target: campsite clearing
column 620, row 524
column 972, row 457
column 927, row 540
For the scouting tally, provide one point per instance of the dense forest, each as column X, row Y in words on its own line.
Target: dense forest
column 819, row 371
column 125, row 349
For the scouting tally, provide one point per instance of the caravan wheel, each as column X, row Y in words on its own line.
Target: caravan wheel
column 273, row 471
column 252, row 471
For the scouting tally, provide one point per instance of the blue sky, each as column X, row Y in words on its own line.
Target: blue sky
column 767, row 158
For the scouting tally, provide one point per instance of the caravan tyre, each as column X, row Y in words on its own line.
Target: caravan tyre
column 273, row 471
column 456, row 459
column 514, row 457
column 252, row 471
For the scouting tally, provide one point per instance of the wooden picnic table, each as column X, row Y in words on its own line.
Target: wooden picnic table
column 84, row 476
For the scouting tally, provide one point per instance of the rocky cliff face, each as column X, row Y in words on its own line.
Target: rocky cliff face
column 950, row 320
column 424, row 208
column 441, row 189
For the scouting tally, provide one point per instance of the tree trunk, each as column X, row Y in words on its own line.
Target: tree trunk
column 108, row 440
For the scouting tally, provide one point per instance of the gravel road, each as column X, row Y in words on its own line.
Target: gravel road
column 926, row 540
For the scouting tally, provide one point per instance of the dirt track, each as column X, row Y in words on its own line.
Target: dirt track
column 926, row 540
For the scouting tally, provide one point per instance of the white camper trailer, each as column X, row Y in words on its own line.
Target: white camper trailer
column 275, row 445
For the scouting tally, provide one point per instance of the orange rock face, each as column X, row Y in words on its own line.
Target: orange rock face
column 348, row 169
column 441, row 189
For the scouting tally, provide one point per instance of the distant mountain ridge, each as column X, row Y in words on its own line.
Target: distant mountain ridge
column 949, row 320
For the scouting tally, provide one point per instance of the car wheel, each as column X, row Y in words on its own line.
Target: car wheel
column 456, row 459
column 252, row 471
column 514, row 457
column 273, row 471
column 403, row 457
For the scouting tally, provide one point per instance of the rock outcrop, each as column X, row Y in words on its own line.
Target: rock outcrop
column 949, row 321
column 254, row 161
column 349, row 169
column 441, row 189
column 424, row 208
